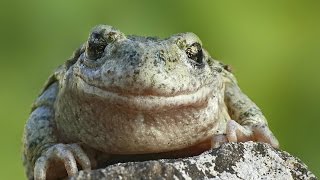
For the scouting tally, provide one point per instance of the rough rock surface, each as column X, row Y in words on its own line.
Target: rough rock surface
column 247, row 160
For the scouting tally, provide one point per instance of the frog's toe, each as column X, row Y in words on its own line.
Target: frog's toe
column 263, row 134
column 257, row 132
column 58, row 159
column 217, row 140
column 237, row 133
column 80, row 156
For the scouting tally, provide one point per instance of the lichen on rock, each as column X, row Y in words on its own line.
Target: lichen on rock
column 248, row 160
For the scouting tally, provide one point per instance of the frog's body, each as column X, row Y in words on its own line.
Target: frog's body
column 136, row 95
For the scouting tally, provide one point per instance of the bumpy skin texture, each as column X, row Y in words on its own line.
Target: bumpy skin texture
column 124, row 95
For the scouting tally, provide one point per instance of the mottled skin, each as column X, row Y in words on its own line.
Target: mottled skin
column 121, row 95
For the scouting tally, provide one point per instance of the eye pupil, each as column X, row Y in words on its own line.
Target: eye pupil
column 194, row 52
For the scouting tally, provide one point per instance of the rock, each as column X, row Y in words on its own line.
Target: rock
column 249, row 160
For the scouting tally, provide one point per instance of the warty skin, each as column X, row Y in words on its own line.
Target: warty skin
column 128, row 95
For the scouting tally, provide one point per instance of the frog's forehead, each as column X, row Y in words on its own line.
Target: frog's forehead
column 181, row 39
column 144, row 38
column 104, row 34
column 110, row 33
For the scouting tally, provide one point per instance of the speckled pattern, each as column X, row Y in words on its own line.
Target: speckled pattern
column 232, row 161
column 123, row 94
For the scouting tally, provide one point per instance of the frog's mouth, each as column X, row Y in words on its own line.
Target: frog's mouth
column 198, row 98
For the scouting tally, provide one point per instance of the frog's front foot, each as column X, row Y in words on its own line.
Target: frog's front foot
column 238, row 133
column 58, row 159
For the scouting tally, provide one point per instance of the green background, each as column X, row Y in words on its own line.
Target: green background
column 273, row 47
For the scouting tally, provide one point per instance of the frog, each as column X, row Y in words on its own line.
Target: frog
column 127, row 96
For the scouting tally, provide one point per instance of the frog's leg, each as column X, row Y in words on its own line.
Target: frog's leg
column 248, row 122
column 44, row 157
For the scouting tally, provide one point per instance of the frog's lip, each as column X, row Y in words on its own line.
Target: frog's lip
column 196, row 98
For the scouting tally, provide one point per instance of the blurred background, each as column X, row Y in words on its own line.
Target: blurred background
column 273, row 47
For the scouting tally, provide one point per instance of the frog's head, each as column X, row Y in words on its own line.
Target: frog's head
column 131, row 94
column 144, row 72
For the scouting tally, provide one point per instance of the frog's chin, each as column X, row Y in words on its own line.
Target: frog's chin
column 197, row 98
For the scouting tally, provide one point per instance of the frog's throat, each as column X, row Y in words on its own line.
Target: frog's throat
column 197, row 98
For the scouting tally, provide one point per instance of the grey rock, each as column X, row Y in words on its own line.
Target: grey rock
column 249, row 160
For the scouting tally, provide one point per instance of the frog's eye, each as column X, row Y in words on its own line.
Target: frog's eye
column 195, row 54
column 95, row 45
column 99, row 38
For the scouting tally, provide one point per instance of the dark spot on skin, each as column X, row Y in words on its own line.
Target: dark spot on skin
column 211, row 125
column 239, row 104
column 115, row 52
column 156, row 62
column 231, row 112
column 162, row 85
column 161, row 55
column 132, row 63
column 135, row 77
column 136, row 71
column 133, row 55
column 210, row 61
column 153, row 82
column 219, row 70
column 253, row 111
column 112, row 80
column 228, row 93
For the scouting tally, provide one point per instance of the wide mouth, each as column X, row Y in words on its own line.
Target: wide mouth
column 197, row 98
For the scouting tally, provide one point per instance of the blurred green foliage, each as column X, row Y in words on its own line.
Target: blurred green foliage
column 273, row 47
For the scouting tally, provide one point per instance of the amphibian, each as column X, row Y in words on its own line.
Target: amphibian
column 130, row 95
